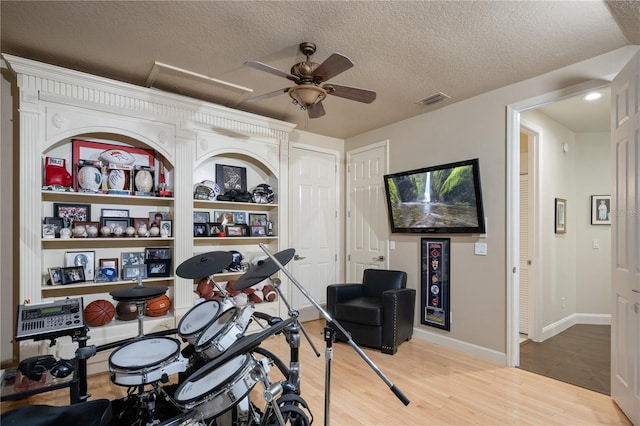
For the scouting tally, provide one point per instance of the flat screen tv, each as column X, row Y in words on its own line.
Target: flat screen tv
column 439, row 199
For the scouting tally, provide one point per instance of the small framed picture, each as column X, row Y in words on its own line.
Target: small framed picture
column 158, row 268
column 91, row 229
column 138, row 222
column 215, row 228
column 70, row 213
column 114, row 213
column 228, row 218
column 133, row 272
column 258, row 231
column 200, row 230
column 561, row 216
column 72, row 274
column 231, row 177
column 57, row 223
column 158, row 253
column 156, row 217
column 113, row 222
column 235, row 231
column 240, row 218
column 132, row 258
column 258, row 219
column 55, row 276
column 200, row 217
column 601, row 209
column 48, row 231
column 83, row 259
column 166, row 227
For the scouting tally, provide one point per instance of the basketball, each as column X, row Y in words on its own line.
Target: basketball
column 126, row 311
column 99, row 312
column 158, row 306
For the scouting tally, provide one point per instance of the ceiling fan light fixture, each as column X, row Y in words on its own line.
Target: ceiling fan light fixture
column 307, row 95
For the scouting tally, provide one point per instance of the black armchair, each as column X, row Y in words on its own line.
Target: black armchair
column 377, row 313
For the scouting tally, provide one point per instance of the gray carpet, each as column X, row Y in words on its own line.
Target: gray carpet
column 580, row 355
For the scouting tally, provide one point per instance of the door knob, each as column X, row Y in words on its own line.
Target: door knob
column 296, row 257
column 379, row 258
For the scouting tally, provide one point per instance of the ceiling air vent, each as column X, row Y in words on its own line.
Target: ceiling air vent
column 433, row 99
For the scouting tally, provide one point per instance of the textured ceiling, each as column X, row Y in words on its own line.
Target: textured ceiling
column 405, row 51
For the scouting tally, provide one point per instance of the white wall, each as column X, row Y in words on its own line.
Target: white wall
column 467, row 129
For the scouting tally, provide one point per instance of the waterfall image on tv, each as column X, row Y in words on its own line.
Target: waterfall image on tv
column 445, row 198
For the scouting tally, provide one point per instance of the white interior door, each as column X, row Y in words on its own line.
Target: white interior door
column 314, row 225
column 367, row 224
column 625, row 239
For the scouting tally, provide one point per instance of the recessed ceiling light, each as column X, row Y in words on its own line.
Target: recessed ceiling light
column 593, row 96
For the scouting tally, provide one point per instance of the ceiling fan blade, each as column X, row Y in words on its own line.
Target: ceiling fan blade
column 352, row 93
column 271, row 70
column 316, row 111
column 332, row 66
column 267, row 95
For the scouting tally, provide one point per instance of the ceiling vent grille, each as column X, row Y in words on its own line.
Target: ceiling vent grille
column 433, row 99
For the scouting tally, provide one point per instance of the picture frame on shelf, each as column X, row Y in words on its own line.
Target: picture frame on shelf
column 258, row 231
column 92, row 229
column 235, row 230
column 132, row 258
column 601, row 209
column 230, row 217
column 215, row 228
column 156, row 217
column 201, row 217
column 231, row 177
column 48, row 231
column 84, row 259
column 166, row 228
column 57, row 223
column 133, row 272
column 200, row 230
column 113, row 222
column 137, row 222
column 560, row 216
column 158, row 268
column 258, row 219
column 114, row 213
column 72, row 275
column 71, row 212
column 158, row 253
column 55, row 276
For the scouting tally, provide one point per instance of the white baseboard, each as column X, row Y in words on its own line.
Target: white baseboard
column 573, row 319
column 467, row 348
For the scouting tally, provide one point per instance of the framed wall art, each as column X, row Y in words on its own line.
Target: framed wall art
column 601, row 209
column 231, row 177
column 200, row 217
column 560, row 216
column 84, row 259
column 71, row 213
column 434, row 282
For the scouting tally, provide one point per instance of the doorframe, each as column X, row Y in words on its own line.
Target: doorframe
column 513, row 204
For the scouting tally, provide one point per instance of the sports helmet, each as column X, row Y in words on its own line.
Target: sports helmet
column 262, row 194
column 236, row 261
column 206, row 190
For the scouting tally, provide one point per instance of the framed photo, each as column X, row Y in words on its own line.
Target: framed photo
column 231, row 177
column 561, row 216
column 158, row 268
column 200, row 230
column 601, row 209
column 434, row 282
column 55, row 276
column 132, row 258
column 166, row 227
column 48, row 231
column 133, row 272
column 258, row 231
column 57, row 223
column 240, row 218
column 72, row 274
column 137, row 222
column 200, row 217
column 112, row 222
column 114, row 213
column 91, row 151
column 230, row 218
column 91, row 228
column 71, row 213
column 258, row 219
column 235, row 231
column 156, row 217
column 83, row 259
column 158, row 253
column 215, row 228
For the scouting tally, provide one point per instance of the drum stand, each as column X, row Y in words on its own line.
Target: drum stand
column 334, row 324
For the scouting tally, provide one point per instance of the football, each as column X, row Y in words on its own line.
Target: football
column 117, row 179
column 99, row 312
column 158, row 306
column 89, row 178
column 117, row 156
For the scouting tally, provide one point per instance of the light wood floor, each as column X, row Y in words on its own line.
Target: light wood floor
column 445, row 387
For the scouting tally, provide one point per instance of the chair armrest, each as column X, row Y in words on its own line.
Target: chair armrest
column 338, row 293
column 403, row 297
